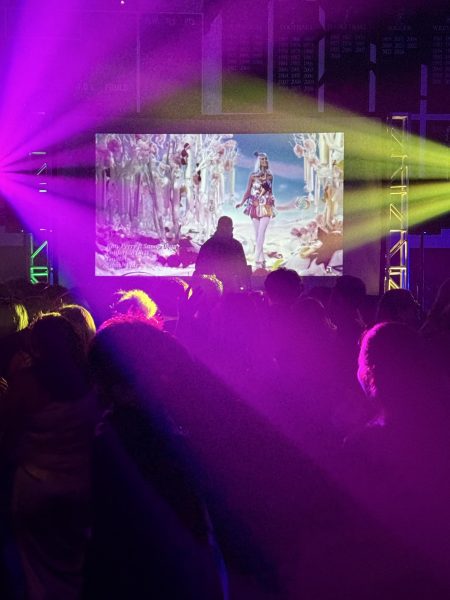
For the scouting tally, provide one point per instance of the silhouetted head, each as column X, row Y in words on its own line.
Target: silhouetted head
column 13, row 317
column 136, row 304
column 311, row 319
column 349, row 290
column 283, row 286
column 225, row 227
column 59, row 356
column 132, row 359
column 54, row 338
column 391, row 363
column 398, row 305
column 205, row 293
column 82, row 322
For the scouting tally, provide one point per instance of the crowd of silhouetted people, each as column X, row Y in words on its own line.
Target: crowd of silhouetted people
column 282, row 443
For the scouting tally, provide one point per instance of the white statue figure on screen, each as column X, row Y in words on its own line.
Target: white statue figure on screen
column 229, row 167
column 322, row 156
column 103, row 166
column 207, row 189
column 216, row 191
column 167, row 176
column 131, row 204
column 176, row 174
column 119, row 183
column 141, row 187
column 335, row 143
column 157, row 180
column 333, row 179
column 305, row 147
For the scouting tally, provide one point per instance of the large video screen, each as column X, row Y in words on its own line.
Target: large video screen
column 159, row 198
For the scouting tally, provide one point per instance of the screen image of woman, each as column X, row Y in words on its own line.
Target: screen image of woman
column 259, row 203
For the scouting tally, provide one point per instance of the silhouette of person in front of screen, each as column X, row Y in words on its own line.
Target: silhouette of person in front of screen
column 222, row 255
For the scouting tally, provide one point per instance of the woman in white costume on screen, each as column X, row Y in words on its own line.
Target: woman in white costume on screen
column 259, row 203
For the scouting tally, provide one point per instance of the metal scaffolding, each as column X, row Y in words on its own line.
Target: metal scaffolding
column 396, row 273
column 41, row 259
column 40, row 263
